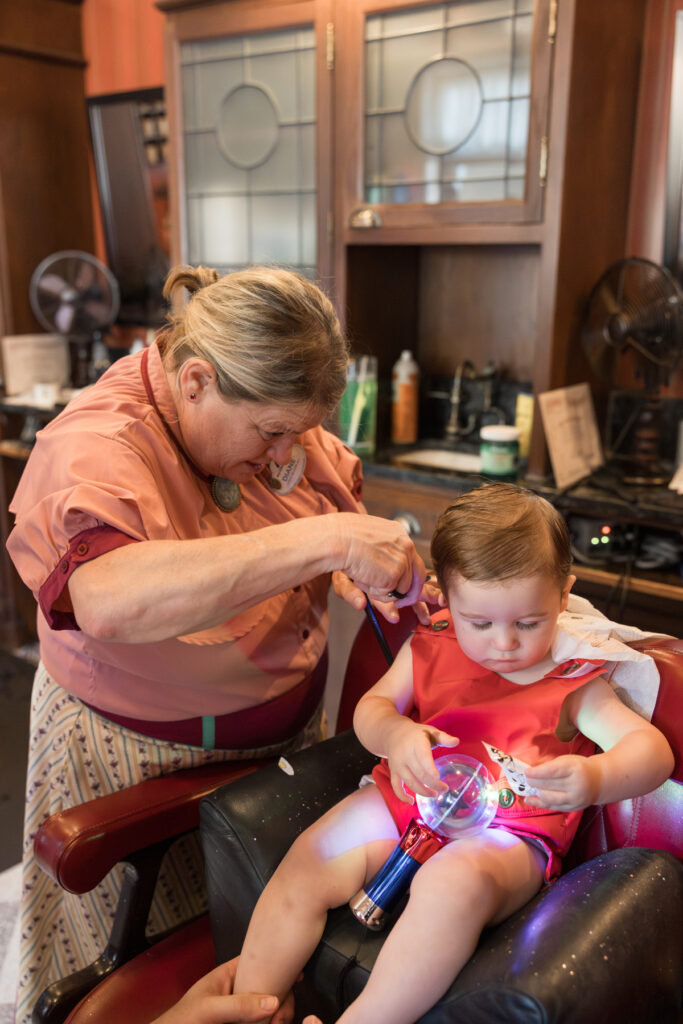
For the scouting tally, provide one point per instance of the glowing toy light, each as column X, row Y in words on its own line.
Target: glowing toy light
column 464, row 809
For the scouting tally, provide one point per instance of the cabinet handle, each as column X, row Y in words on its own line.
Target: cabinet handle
column 365, row 218
column 408, row 520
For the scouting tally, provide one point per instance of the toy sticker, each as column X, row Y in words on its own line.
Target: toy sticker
column 513, row 769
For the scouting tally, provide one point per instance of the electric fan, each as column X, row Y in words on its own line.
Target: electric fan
column 72, row 293
column 635, row 311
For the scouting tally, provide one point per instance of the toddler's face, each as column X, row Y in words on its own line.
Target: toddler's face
column 506, row 625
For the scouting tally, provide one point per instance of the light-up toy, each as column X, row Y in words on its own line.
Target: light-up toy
column 464, row 809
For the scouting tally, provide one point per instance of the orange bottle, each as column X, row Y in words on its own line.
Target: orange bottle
column 405, row 378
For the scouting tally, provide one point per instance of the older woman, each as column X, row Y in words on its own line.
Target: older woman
column 179, row 523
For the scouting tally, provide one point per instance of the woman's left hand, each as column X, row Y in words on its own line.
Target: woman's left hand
column 427, row 594
column 567, row 783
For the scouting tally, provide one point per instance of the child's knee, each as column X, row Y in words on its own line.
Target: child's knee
column 454, row 884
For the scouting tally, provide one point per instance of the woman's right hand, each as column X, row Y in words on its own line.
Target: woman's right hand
column 211, row 1001
column 379, row 557
column 409, row 757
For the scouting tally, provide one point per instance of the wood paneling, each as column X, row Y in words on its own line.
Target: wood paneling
column 478, row 303
column 648, row 185
column 123, row 45
column 44, row 185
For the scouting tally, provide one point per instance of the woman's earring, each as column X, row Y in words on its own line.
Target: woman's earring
column 192, row 396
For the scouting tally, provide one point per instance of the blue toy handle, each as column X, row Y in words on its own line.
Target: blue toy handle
column 384, row 891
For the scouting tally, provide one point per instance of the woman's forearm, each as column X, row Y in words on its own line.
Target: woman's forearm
column 155, row 590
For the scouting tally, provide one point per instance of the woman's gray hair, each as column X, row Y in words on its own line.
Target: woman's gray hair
column 271, row 335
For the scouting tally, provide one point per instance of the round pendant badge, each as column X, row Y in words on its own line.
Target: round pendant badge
column 284, row 479
column 225, row 493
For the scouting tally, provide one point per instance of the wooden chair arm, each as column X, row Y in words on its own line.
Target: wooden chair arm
column 77, row 847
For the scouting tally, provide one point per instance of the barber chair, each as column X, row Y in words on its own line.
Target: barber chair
column 138, row 980
column 603, row 943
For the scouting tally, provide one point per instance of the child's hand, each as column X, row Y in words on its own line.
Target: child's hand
column 567, row 783
column 409, row 756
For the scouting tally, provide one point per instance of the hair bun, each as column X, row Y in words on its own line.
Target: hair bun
column 192, row 278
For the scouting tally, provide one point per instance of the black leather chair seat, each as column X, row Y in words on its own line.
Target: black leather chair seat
column 604, row 943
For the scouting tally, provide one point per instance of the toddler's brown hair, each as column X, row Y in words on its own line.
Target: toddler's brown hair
column 498, row 531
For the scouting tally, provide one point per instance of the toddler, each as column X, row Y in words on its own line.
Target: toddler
column 481, row 672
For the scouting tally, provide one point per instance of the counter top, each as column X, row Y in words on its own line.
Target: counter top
column 603, row 496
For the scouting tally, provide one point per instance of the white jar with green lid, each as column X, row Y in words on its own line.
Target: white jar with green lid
column 499, row 451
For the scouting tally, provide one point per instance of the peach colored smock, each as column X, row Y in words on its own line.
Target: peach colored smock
column 106, row 472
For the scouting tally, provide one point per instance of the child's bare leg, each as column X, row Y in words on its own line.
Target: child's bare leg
column 461, row 889
column 324, row 868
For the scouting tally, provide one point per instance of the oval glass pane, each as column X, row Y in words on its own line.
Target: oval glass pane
column 443, row 105
column 247, row 126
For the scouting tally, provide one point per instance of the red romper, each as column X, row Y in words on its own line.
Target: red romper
column 457, row 695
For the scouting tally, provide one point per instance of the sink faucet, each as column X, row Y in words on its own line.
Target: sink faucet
column 489, row 409
column 453, row 429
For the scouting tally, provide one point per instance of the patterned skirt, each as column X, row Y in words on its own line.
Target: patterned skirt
column 76, row 755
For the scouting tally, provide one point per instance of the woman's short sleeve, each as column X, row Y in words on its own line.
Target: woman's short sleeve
column 72, row 485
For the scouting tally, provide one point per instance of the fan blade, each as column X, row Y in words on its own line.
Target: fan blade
column 604, row 295
column 53, row 284
column 64, row 317
column 93, row 313
column 600, row 353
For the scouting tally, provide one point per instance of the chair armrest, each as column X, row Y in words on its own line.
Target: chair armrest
column 247, row 827
column 77, row 847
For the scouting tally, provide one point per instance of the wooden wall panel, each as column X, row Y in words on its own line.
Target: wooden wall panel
column 122, row 42
column 43, row 148
column 478, row 303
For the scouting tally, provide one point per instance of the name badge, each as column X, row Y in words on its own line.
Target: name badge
column 284, row 479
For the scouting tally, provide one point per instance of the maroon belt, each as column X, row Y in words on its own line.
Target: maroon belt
column 274, row 721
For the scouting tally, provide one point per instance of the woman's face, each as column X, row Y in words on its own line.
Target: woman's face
column 236, row 439
column 506, row 625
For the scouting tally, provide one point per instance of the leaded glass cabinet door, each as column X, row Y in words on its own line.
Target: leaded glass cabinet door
column 447, row 119
column 251, row 134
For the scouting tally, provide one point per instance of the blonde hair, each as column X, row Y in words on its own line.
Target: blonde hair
column 272, row 336
column 499, row 531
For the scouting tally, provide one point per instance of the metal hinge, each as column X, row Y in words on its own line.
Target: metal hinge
column 543, row 161
column 552, row 21
column 329, row 46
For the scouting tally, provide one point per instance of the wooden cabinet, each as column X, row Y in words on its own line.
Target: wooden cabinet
column 510, row 291
column 430, row 238
column 249, row 98
column 444, row 117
